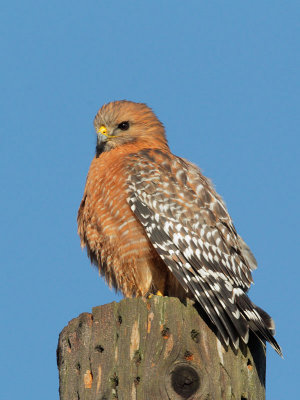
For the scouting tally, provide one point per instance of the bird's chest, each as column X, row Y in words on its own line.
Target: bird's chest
column 115, row 239
column 106, row 204
column 111, row 228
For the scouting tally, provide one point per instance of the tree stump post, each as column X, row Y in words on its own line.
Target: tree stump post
column 154, row 349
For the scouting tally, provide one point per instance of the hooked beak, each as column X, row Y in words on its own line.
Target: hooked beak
column 101, row 143
column 101, row 138
column 103, row 134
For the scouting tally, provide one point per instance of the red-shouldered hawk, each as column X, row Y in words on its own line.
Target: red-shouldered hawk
column 152, row 222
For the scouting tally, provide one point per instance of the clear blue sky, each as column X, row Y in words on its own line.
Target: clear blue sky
column 224, row 79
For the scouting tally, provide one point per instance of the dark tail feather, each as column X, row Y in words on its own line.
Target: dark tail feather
column 259, row 321
column 268, row 321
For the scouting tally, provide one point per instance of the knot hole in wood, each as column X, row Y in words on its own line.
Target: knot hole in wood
column 185, row 380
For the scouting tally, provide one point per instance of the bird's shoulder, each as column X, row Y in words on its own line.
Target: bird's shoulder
column 161, row 171
column 177, row 193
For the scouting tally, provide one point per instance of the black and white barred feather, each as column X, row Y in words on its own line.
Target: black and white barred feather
column 189, row 226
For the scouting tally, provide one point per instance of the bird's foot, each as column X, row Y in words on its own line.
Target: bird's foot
column 158, row 293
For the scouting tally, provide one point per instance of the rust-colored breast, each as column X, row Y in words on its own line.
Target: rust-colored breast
column 115, row 240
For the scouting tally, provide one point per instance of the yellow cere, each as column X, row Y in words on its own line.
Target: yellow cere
column 103, row 131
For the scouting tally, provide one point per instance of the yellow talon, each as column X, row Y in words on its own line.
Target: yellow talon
column 158, row 293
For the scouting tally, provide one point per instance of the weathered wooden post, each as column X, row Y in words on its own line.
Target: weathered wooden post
column 154, row 349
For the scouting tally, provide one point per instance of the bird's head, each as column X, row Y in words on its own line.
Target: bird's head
column 124, row 122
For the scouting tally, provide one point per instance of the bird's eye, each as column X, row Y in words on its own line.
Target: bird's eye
column 123, row 125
